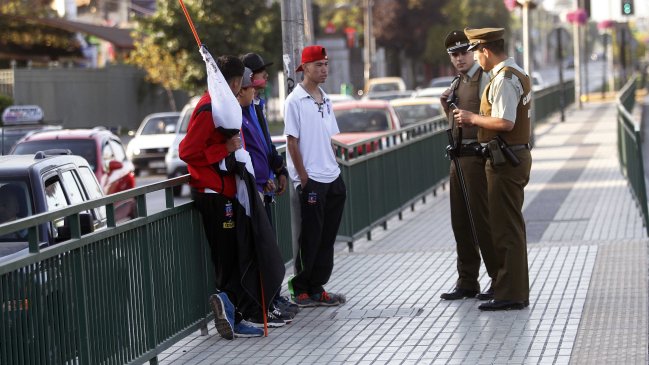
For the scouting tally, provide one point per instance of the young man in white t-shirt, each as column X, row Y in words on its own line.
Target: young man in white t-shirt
column 309, row 124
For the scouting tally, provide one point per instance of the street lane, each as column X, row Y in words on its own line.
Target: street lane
column 155, row 201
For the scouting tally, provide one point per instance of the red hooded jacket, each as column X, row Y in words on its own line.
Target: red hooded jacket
column 202, row 147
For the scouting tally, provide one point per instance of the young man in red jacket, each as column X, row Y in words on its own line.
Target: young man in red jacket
column 214, row 193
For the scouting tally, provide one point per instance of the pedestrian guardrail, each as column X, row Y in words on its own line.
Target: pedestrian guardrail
column 552, row 99
column 117, row 295
column 629, row 145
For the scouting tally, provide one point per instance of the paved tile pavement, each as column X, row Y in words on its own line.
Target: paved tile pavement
column 588, row 277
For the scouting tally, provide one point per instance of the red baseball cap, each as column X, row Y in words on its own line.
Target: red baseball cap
column 312, row 54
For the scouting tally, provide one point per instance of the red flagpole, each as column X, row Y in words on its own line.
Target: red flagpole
column 191, row 24
column 263, row 305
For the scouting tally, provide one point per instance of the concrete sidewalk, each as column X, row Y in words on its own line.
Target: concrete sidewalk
column 588, row 275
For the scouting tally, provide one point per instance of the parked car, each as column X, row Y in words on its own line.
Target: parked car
column 31, row 184
column 43, row 182
column 19, row 121
column 384, row 84
column 151, row 142
column 105, row 155
column 358, row 120
column 414, row 110
column 388, row 95
column 339, row 97
column 436, row 87
column 175, row 166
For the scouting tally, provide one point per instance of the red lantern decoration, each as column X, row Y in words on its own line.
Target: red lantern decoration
column 605, row 24
column 578, row 16
column 510, row 4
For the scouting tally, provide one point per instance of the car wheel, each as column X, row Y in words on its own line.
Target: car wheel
column 136, row 172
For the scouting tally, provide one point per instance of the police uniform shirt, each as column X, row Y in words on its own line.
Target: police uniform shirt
column 313, row 125
column 505, row 93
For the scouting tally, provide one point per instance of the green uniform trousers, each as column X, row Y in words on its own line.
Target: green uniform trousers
column 468, row 254
column 505, row 194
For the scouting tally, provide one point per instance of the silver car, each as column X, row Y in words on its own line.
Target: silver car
column 151, row 142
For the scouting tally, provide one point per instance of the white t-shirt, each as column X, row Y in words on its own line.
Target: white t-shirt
column 313, row 125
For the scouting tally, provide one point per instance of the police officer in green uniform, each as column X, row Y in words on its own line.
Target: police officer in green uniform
column 504, row 113
column 465, row 93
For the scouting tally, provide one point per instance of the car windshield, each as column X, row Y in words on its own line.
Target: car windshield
column 362, row 120
column 411, row 114
column 384, row 87
column 15, row 203
column 80, row 147
column 9, row 139
column 158, row 125
column 185, row 122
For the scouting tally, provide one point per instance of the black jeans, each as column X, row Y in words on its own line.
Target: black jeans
column 322, row 209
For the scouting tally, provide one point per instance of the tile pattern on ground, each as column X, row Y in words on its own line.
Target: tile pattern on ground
column 588, row 278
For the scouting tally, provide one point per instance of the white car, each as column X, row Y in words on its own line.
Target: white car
column 149, row 146
column 175, row 166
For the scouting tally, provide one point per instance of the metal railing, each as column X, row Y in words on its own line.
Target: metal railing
column 629, row 145
column 551, row 99
column 114, row 296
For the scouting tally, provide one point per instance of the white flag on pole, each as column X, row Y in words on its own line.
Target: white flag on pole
column 226, row 114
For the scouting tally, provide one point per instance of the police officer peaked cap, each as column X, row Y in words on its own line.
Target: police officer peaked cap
column 483, row 35
column 456, row 41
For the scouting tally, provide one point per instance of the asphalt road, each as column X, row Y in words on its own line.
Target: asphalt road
column 156, row 201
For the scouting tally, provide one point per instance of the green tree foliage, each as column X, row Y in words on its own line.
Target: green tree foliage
column 460, row 14
column 26, row 7
column 224, row 26
column 340, row 13
column 23, row 37
column 403, row 26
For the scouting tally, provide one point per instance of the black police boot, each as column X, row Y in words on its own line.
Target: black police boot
column 459, row 293
column 486, row 295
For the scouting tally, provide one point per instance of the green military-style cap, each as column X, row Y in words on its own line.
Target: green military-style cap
column 483, row 35
column 456, row 41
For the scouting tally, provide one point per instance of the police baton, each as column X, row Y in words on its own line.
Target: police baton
column 453, row 151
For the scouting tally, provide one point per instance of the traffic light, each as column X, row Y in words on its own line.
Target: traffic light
column 627, row 7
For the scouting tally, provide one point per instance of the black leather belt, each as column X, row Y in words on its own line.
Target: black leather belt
column 473, row 149
column 518, row 147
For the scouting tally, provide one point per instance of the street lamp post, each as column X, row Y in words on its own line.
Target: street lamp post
column 577, row 18
column 604, row 27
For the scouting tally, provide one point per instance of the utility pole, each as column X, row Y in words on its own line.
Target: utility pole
column 296, row 31
column 577, row 59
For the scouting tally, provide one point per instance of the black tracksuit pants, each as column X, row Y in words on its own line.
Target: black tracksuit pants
column 321, row 212
column 219, row 222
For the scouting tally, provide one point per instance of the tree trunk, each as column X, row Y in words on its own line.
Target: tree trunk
column 171, row 99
